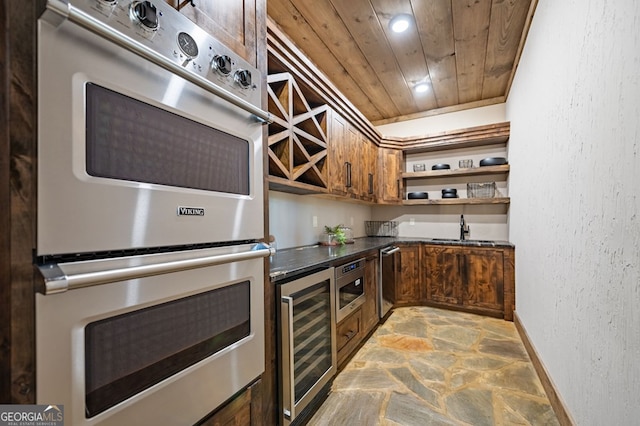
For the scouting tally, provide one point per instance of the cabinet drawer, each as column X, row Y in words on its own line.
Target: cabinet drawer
column 348, row 330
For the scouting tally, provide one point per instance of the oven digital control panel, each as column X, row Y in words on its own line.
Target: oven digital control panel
column 351, row 267
column 165, row 32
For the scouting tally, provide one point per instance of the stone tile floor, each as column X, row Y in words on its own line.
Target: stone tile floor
column 427, row 366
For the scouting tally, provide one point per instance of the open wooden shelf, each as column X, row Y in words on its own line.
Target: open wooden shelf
column 490, row 134
column 457, row 201
column 474, row 171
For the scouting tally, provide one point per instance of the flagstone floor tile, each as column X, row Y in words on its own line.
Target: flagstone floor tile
column 427, row 366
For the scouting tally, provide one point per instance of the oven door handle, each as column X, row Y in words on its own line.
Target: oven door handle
column 56, row 280
column 288, row 385
column 77, row 16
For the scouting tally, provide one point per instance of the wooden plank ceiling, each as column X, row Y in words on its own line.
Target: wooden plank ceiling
column 466, row 50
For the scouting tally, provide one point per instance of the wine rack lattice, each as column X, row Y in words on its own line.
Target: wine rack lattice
column 298, row 134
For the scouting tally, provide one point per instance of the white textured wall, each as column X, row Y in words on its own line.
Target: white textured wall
column 443, row 122
column 291, row 218
column 574, row 109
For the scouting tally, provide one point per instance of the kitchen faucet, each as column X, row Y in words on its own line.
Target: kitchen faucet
column 464, row 228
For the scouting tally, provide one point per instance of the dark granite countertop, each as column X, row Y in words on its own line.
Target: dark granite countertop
column 295, row 261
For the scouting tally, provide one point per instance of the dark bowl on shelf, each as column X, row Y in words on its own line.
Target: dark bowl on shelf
column 417, row 196
column 449, row 191
column 493, row 161
column 440, row 167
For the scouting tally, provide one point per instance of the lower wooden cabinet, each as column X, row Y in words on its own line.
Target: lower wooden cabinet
column 244, row 409
column 348, row 335
column 483, row 287
column 442, row 274
column 408, row 276
column 474, row 279
column 370, row 306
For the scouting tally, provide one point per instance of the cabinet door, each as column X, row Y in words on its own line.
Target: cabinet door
column 244, row 409
column 354, row 162
column 338, row 146
column 370, row 306
column 484, row 279
column 443, row 274
column 408, row 284
column 348, row 335
column 372, row 175
column 233, row 22
column 391, row 181
column 368, row 170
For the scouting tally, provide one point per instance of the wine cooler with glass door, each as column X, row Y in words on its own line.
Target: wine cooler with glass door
column 307, row 336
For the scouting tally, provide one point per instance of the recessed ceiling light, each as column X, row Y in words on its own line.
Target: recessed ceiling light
column 400, row 23
column 421, row 87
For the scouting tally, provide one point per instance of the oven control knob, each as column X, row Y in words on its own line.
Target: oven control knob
column 145, row 13
column 243, row 78
column 222, row 64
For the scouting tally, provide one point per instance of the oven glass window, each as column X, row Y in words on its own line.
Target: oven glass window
column 130, row 140
column 131, row 352
column 350, row 292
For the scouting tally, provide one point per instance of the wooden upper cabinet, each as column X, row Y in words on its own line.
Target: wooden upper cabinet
column 368, row 170
column 390, row 162
column 235, row 23
column 350, row 161
column 338, row 147
column 354, row 162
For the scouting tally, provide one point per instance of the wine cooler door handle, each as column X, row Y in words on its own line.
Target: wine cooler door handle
column 288, row 385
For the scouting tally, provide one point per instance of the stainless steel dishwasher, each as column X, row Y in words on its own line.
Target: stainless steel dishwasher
column 307, row 342
column 387, row 279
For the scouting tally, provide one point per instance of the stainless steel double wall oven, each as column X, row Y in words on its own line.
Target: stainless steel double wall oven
column 150, row 207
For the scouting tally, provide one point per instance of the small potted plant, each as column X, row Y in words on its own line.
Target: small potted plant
column 335, row 235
